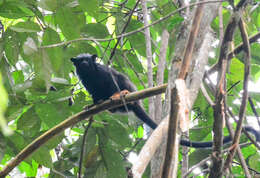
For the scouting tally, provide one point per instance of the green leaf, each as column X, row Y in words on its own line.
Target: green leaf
column 255, row 72
column 43, row 70
column 53, row 142
column 18, row 76
column 84, row 47
column 50, row 36
column 11, row 46
column 137, row 40
column 13, row 10
column 118, row 133
column 52, row 114
column 50, row 5
column 140, row 132
column 57, row 95
column 18, row 142
column 3, row 106
column 255, row 53
column 29, row 122
column 114, row 163
column 96, row 30
column 27, row 26
column 254, row 162
column 91, row 6
column 135, row 62
column 30, row 170
column 67, row 21
column 236, row 66
column 42, row 156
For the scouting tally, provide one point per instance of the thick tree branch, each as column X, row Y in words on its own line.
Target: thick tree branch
column 108, row 104
column 148, row 150
column 179, row 109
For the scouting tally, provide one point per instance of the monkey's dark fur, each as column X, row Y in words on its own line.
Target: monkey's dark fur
column 98, row 81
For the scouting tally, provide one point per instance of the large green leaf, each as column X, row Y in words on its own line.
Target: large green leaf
column 96, row 30
column 43, row 70
column 91, row 6
column 13, row 10
column 11, row 46
column 27, row 26
column 118, row 133
column 42, row 156
column 137, row 40
column 52, row 114
column 113, row 163
column 50, row 36
column 29, row 122
column 67, row 21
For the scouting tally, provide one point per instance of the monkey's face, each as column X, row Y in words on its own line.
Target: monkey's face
column 84, row 62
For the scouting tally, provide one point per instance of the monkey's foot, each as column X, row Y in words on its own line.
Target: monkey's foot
column 118, row 95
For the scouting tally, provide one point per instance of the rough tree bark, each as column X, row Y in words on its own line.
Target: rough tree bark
column 194, row 78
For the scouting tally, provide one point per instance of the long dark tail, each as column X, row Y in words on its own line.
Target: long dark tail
column 226, row 139
column 141, row 114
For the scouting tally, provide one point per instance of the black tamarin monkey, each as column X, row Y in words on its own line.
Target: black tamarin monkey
column 103, row 83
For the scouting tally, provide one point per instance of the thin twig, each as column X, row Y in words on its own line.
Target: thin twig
column 132, row 32
column 122, row 32
column 83, row 145
column 245, row 93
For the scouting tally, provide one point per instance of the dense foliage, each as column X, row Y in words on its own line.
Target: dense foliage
column 41, row 84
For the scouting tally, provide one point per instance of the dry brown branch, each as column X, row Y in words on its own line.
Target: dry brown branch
column 219, row 108
column 179, row 109
column 191, row 41
column 245, row 93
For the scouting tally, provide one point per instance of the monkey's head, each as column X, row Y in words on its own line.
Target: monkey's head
column 84, row 62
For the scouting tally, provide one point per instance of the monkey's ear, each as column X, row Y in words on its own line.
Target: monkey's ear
column 73, row 59
column 94, row 57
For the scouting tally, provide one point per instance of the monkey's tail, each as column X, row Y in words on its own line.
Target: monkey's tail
column 226, row 139
column 141, row 114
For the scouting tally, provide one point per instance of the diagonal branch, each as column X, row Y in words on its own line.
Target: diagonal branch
column 245, row 93
column 108, row 104
column 219, row 108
